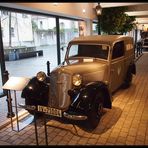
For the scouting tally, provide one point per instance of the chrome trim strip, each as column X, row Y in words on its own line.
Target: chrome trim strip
column 74, row 117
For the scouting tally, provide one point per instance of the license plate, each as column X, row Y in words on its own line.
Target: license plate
column 50, row 110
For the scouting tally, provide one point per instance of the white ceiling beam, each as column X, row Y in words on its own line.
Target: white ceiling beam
column 110, row 4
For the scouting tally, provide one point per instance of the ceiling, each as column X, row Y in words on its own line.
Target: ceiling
column 140, row 10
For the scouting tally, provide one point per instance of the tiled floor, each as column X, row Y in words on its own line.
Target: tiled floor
column 125, row 124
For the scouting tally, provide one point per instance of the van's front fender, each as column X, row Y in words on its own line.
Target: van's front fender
column 83, row 98
column 36, row 93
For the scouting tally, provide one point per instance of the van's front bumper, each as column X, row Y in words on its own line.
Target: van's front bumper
column 74, row 116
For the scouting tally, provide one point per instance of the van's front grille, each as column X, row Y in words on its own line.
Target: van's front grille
column 60, row 83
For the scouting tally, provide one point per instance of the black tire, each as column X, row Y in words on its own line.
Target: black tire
column 95, row 113
column 128, row 79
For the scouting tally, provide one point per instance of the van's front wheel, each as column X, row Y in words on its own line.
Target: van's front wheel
column 95, row 113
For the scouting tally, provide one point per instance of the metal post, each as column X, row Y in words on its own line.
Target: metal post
column 99, row 25
column 5, row 79
column 45, row 127
column 35, row 124
column 48, row 68
column 10, row 108
column 10, row 113
column 9, row 99
column 136, row 49
column 58, row 40
column 17, row 120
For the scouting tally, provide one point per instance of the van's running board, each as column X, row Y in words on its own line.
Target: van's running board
column 74, row 117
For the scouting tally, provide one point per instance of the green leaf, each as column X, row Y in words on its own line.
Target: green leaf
column 115, row 21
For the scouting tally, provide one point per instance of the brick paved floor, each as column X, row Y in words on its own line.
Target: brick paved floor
column 125, row 124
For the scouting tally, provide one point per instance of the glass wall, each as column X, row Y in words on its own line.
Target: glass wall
column 68, row 30
column 0, row 81
column 94, row 29
column 29, row 41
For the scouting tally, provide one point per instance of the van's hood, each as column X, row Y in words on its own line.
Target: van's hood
column 86, row 67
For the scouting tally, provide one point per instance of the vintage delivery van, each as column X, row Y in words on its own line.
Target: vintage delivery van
column 81, row 86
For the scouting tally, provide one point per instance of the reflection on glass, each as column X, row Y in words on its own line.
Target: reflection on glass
column 68, row 30
column 29, row 42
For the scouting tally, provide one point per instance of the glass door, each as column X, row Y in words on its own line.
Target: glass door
column 68, row 30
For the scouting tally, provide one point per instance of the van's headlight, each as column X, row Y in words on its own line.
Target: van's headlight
column 77, row 80
column 41, row 76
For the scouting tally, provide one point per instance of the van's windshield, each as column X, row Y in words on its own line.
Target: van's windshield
column 89, row 50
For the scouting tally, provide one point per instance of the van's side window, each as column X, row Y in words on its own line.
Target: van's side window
column 118, row 50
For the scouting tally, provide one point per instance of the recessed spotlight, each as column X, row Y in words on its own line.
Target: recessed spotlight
column 83, row 10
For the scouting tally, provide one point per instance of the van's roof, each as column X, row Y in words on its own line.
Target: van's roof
column 101, row 39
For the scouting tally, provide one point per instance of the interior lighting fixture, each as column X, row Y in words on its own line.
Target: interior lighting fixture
column 98, row 9
column 98, row 12
column 83, row 10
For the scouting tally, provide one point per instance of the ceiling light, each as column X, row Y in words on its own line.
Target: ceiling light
column 84, row 10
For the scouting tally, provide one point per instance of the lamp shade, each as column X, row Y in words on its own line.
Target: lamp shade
column 98, row 9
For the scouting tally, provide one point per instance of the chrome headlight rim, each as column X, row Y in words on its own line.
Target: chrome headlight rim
column 77, row 80
column 41, row 76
